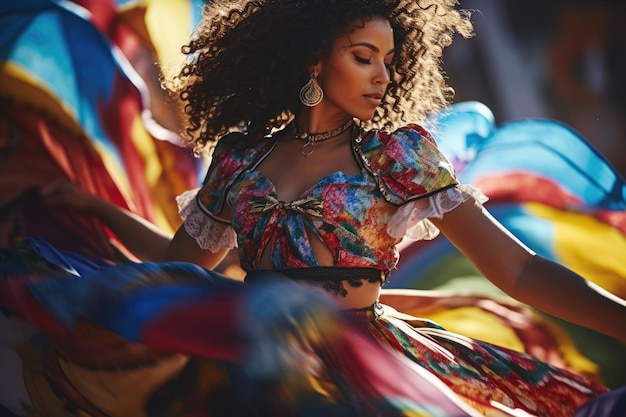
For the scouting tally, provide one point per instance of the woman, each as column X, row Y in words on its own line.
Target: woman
column 318, row 172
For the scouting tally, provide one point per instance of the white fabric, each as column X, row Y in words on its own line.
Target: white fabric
column 411, row 220
column 209, row 233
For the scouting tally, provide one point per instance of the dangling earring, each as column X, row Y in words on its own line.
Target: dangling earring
column 311, row 94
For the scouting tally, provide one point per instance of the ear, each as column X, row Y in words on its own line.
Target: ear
column 315, row 68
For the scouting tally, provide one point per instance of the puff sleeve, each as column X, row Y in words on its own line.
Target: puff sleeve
column 200, row 208
column 413, row 174
column 407, row 164
column 210, row 233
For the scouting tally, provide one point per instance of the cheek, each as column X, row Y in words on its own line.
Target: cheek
column 344, row 79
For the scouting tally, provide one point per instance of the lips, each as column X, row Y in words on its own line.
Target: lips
column 374, row 98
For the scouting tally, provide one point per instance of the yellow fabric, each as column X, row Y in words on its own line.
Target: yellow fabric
column 588, row 246
column 168, row 38
column 477, row 323
column 18, row 84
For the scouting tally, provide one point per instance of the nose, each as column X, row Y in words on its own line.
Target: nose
column 382, row 75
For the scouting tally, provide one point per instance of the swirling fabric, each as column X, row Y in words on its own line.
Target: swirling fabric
column 176, row 339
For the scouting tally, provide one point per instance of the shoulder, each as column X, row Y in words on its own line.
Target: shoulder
column 231, row 156
column 232, row 153
column 231, row 150
column 400, row 143
column 408, row 162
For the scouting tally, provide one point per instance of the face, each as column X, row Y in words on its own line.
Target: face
column 356, row 74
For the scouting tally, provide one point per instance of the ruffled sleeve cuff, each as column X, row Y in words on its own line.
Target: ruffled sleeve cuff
column 210, row 234
column 411, row 219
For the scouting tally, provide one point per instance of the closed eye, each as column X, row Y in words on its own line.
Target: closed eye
column 362, row 60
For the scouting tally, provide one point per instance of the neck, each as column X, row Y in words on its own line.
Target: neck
column 310, row 139
column 317, row 120
column 321, row 136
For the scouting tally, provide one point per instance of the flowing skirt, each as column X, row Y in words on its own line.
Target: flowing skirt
column 174, row 339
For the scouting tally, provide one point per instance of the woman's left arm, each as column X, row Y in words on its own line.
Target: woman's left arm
column 528, row 277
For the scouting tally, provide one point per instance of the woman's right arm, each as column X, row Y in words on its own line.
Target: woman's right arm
column 141, row 237
column 185, row 248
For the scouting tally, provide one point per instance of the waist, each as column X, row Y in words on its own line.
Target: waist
column 335, row 273
column 351, row 287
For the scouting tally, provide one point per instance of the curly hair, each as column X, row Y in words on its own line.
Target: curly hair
column 247, row 61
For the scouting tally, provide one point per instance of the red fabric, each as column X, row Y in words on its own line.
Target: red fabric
column 186, row 331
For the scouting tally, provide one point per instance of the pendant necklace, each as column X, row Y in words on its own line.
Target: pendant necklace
column 312, row 138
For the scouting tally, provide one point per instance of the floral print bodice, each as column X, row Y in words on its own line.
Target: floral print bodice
column 348, row 213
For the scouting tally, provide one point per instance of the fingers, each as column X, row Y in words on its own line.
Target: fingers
column 61, row 193
column 55, row 187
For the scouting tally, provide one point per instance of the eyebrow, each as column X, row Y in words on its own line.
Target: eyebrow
column 372, row 47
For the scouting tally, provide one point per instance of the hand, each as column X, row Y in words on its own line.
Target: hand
column 140, row 236
column 61, row 193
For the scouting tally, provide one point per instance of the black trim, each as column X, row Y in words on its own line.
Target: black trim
column 334, row 273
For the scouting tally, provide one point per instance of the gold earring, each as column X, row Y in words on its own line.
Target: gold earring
column 311, row 94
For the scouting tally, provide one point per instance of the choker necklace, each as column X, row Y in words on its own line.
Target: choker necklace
column 311, row 138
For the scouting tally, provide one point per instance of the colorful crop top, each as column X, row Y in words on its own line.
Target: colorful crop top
column 361, row 218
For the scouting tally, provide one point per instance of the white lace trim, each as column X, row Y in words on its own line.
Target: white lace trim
column 411, row 220
column 209, row 233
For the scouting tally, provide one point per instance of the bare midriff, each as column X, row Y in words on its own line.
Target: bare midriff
column 356, row 297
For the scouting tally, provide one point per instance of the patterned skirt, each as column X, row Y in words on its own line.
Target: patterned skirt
column 82, row 338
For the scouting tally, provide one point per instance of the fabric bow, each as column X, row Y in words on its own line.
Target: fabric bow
column 309, row 205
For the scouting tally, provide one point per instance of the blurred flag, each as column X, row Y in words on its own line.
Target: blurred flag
column 81, row 98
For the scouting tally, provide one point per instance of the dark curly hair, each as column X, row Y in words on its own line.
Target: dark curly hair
column 247, row 60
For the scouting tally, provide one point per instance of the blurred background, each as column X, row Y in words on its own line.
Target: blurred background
column 561, row 59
